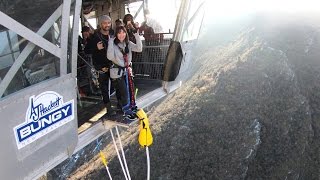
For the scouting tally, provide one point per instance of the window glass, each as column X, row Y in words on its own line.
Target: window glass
column 39, row 65
column 30, row 13
column 193, row 25
column 4, row 48
column 6, row 61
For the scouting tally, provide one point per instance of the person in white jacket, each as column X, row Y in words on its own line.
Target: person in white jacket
column 120, row 53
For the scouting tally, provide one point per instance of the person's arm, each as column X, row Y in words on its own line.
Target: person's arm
column 89, row 47
column 111, row 53
column 110, row 50
column 92, row 46
column 130, row 27
column 138, row 46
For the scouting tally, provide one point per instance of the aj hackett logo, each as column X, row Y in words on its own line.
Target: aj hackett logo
column 46, row 112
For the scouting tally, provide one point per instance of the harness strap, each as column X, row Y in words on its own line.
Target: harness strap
column 132, row 103
column 119, row 68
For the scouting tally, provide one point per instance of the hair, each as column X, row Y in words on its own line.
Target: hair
column 104, row 18
column 126, row 40
column 85, row 29
column 125, row 19
column 119, row 20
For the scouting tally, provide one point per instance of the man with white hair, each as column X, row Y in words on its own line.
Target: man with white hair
column 98, row 48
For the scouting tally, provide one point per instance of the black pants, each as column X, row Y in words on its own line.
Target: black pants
column 104, row 86
column 114, row 89
column 121, row 90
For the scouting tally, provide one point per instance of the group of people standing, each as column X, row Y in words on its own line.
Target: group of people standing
column 111, row 52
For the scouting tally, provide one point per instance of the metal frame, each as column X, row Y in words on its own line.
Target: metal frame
column 31, row 36
column 27, row 50
column 145, row 4
column 61, row 52
column 180, row 21
column 64, row 43
column 193, row 16
column 37, row 39
column 64, row 36
column 86, row 20
column 77, row 14
column 137, row 13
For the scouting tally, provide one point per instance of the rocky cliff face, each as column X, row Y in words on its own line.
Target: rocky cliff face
column 252, row 111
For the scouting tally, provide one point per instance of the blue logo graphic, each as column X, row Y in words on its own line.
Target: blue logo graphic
column 46, row 112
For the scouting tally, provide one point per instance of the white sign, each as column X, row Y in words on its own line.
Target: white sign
column 46, row 112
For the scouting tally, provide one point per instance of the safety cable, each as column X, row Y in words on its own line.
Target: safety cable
column 85, row 61
column 130, row 87
column 108, row 173
column 92, row 67
column 115, row 145
column 104, row 161
column 123, row 155
column 102, row 156
column 145, row 137
column 148, row 163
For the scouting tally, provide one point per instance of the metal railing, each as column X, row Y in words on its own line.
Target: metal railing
column 149, row 63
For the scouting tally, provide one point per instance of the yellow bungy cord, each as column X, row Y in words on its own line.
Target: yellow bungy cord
column 145, row 136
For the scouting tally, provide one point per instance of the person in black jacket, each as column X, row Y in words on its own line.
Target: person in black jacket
column 130, row 27
column 98, row 48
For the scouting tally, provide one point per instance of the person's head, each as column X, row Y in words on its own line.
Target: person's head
column 121, row 35
column 119, row 22
column 146, row 13
column 105, row 22
column 128, row 18
column 85, row 32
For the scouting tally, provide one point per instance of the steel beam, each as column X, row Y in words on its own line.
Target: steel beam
column 64, row 36
column 75, row 37
column 27, row 50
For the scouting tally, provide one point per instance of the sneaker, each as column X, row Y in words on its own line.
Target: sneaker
column 127, row 120
column 130, row 116
column 110, row 111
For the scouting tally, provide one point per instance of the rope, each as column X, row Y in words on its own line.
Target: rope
column 108, row 173
column 132, row 104
column 85, row 61
column 145, row 137
column 102, row 156
column 123, row 156
column 104, row 161
column 148, row 163
column 131, row 88
column 129, row 83
column 95, row 73
column 92, row 68
column 115, row 145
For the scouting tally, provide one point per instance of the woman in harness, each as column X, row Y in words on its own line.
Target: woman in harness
column 120, row 53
